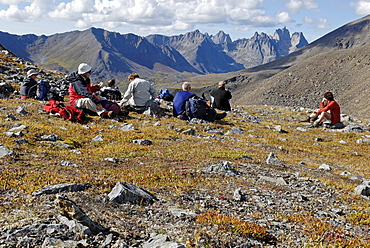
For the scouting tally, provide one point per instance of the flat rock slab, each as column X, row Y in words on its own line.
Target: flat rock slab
column 62, row 187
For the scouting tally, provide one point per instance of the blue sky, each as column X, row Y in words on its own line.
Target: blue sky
column 238, row 18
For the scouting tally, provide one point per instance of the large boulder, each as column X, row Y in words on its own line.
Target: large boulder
column 129, row 193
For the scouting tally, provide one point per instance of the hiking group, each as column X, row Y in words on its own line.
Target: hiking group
column 140, row 97
column 109, row 102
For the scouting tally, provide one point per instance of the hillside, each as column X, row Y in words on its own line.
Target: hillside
column 258, row 178
column 214, row 183
column 337, row 62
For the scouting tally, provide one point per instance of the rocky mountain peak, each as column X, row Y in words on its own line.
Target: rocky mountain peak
column 297, row 40
column 221, row 37
column 281, row 34
column 117, row 55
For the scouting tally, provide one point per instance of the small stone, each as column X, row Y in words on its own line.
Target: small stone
column 272, row 159
column 4, row 151
column 113, row 160
column 325, row 167
column 68, row 163
column 21, row 141
column 143, row 142
column 98, row 138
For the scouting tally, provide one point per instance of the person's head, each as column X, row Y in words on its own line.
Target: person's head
column 84, row 70
column 329, row 96
column 186, row 86
column 111, row 83
column 132, row 76
column 32, row 73
column 221, row 84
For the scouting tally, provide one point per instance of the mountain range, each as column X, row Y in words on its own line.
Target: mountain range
column 338, row 62
column 116, row 55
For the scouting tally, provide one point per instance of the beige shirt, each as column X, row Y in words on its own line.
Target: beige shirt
column 139, row 92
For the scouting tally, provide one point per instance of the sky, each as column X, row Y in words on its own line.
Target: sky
column 238, row 18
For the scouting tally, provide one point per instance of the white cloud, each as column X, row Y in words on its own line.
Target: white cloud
column 72, row 10
column 147, row 14
column 30, row 13
column 283, row 17
column 320, row 23
column 323, row 24
column 362, row 7
column 296, row 5
column 10, row 2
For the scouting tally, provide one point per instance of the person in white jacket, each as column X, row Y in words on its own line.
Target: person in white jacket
column 139, row 94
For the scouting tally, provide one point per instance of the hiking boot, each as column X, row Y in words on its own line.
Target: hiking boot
column 308, row 119
column 315, row 124
column 107, row 115
column 123, row 113
column 220, row 116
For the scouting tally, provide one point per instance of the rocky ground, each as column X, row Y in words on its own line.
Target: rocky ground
column 260, row 193
column 276, row 204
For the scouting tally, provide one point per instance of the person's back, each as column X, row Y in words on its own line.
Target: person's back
column 221, row 97
column 143, row 92
column 139, row 92
column 180, row 106
column 179, row 102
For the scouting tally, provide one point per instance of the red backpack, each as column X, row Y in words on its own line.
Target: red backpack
column 68, row 112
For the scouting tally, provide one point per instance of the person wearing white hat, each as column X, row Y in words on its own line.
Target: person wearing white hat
column 81, row 92
column 28, row 86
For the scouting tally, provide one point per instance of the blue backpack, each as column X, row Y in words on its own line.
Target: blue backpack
column 43, row 88
column 165, row 95
column 196, row 107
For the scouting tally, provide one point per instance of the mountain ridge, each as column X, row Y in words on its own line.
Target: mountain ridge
column 116, row 55
column 330, row 63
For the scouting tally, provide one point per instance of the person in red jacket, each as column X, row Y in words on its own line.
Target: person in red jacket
column 329, row 110
column 81, row 92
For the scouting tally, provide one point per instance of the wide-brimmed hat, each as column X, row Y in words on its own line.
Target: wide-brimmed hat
column 32, row 72
column 83, row 68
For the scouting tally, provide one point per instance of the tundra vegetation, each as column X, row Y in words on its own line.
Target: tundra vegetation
column 169, row 168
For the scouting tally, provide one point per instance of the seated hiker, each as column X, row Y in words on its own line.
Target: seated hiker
column 111, row 92
column 28, row 87
column 139, row 94
column 329, row 110
column 184, row 111
column 81, row 92
column 221, row 97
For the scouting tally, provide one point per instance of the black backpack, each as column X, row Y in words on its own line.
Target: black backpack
column 196, row 107
column 113, row 95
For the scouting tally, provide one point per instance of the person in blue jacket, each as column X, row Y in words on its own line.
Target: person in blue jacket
column 180, row 99
column 179, row 105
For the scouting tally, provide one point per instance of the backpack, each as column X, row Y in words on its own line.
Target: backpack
column 113, row 95
column 5, row 90
column 196, row 107
column 42, row 90
column 68, row 112
column 166, row 95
